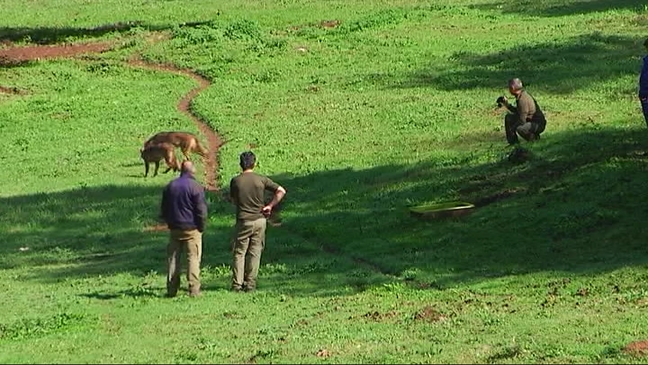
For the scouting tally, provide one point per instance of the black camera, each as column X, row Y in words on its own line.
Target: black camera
column 500, row 101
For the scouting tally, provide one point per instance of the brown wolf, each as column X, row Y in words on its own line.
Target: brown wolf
column 156, row 152
column 187, row 142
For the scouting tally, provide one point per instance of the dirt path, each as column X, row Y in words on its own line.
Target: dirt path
column 15, row 55
column 12, row 56
column 213, row 140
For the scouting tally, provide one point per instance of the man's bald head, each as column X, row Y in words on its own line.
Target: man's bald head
column 187, row 167
column 515, row 84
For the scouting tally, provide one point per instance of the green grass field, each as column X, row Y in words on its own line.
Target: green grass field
column 359, row 109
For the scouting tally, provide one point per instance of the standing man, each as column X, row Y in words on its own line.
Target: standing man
column 643, row 84
column 185, row 212
column 247, row 193
column 525, row 118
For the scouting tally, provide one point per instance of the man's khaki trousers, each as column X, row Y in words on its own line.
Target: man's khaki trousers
column 190, row 242
column 248, row 244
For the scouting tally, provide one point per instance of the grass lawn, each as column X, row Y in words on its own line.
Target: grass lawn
column 360, row 110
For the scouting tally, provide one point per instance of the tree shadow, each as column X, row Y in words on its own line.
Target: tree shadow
column 561, row 7
column 556, row 67
column 576, row 207
column 141, row 292
column 10, row 63
column 94, row 230
column 112, row 230
column 548, row 214
column 88, row 231
column 53, row 35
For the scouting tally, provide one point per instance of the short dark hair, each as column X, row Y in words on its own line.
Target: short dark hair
column 247, row 160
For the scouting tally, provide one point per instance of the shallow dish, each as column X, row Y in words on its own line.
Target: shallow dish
column 442, row 210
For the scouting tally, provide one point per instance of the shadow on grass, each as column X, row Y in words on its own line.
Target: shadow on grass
column 578, row 206
column 94, row 230
column 53, row 35
column 133, row 293
column 6, row 63
column 561, row 7
column 554, row 67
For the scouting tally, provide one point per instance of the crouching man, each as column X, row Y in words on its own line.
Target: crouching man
column 525, row 118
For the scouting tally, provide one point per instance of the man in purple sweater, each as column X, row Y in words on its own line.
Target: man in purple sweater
column 643, row 85
column 184, row 210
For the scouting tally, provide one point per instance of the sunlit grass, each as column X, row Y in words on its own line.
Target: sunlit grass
column 361, row 111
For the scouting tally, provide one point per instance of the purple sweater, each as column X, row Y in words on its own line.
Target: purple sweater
column 183, row 204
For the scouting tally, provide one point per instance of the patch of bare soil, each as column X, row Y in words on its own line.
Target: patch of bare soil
column 323, row 353
column 11, row 90
column 377, row 316
column 326, row 24
column 17, row 55
column 429, row 314
column 329, row 23
column 637, row 348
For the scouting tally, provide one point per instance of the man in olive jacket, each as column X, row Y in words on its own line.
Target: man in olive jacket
column 525, row 118
column 247, row 193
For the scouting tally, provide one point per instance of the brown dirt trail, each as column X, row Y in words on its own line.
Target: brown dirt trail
column 11, row 56
column 15, row 55
column 213, row 140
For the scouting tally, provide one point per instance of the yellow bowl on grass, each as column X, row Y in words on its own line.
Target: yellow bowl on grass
column 442, row 210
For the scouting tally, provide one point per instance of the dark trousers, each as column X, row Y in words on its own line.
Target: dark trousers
column 528, row 130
